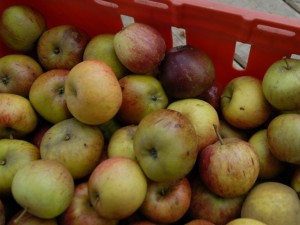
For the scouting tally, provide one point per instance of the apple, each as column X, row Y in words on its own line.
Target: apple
column 44, row 188
column 62, row 47
column 121, row 142
column 245, row 221
column 17, row 73
column 202, row 115
column 139, row 47
column 92, row 92
column 165, row 144
column 227, row 130
column 143, row 222
column 281, row 83
column 37, row 135
column 272, row 203
column 166, row 202
column 21, row 26
column 243, row 104
column 2, row 213
column 25, row 218
column 109, row 127
column 80, row 210
column 283, row 134
column 208, row 206
column 199, row 222
column 17, row 116
column 101, row 47
column 76, row 145
column 117, row 188
column 269, row 166
column 141, row 96
column 186, row 72
column 295, row 180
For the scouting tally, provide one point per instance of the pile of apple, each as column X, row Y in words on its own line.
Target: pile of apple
column 118, row 129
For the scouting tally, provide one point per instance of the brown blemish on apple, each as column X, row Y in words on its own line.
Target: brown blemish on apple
column 67, row 137
column 242, row 108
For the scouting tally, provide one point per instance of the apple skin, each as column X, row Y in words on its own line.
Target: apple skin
column 80, row 210
column 61, row 47
column 283, row 133
column 281, row 84
column 199, row 222
column 17, row 73
column 141, row 96
column 117, row 188
column 29, row 219
column 186, row 72
column 295, row 180
column 44, row 198
column 227, row 130
column 92, row 92
column 243, row 104
column 21, row 26
column 2, row 213
column 245, row 221
column 165, row 144
column 13, row 123
column 166, row 202
column 47, row 95
column 139, row 47
column 76, row 145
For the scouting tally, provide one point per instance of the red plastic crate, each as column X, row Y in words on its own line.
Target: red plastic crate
column 212, row 26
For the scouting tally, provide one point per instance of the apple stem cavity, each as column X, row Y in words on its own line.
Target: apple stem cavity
column 218, row 134
column 24, row 211
column 2, row 162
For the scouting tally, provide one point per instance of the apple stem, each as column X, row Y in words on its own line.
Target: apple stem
column 16, row 221
column 218, row 134
column 288, row 67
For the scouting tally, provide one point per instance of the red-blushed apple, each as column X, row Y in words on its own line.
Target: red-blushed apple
column 17, row 73
column 199, row 222
column 14, row 155
column 38, row 133
column 166, row 202
column 141, row 96
column 202, row 115
column 2, row 213
column 21, row 26
column 25, row 218
column 47, row 95
column 76, row 145
column 243, row 104
column 295, row 180
column 62, row 47
column 92, row 92
column 186, row 72
column 211, row 207
column 139, row 47
column 165, row 145
column 17, row 116
column 80, row 210
column 144, row 222
column 117, row 188
column 44, row 188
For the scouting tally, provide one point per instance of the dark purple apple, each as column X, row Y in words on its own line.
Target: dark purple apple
column 186, row 72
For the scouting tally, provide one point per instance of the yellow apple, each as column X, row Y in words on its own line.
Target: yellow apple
column 245, row 221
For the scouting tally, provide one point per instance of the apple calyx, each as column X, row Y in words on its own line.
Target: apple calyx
column 153, row 153
column 218, row 134
column 24, row 211
column 5, row 80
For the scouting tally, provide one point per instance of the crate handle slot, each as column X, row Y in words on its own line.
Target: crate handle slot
column 152, row 3
column 276, row 30
column 107, row 3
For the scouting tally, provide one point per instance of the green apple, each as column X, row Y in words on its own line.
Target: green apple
column 21, row 26
column 14, row 155
column 17, row 73
column 62, row 47
column 109, row 127
column 202, row 115
column 117, row 188
column 227, row 130
column 47, row 95
column 101, row 47
column 245, row 221
column 25, row 218
column 281, row 84
column 295, row 180
column 92, row 92
column 76, row 145
column 243, row 104
column 283, row 133
column 166, row 145
column 141, row 96
column 17, row 116
column 44, row 188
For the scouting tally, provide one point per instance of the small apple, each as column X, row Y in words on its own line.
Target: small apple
column 47, row 95
column 2, row 213
column 295, row 180
column 109, row 127
column 283, row 134
column 141, row 96
column 21, row 26
column 25, row 218
column 166, row 202
column 101, row 47
column 117, row 188
column 139, row 47
column 281, row 83
column 17, row 116
column 245, row 221
column 44, row 188
column 17, row 73
column 76, row 145
column 92, row 92
column 62, row 47
column 243, row 104
column 186, row 72
column 199, row 222
column 80, row 210
column 38, row 133
column 165, row 144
